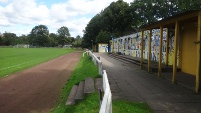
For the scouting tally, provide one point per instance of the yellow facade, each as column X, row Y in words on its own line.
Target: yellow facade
column 188, row 48
column 186, row 52
column 102, row 48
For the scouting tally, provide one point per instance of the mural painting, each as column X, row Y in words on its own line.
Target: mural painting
column 131, row 45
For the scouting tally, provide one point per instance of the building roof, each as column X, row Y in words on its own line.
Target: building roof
column 192, row 14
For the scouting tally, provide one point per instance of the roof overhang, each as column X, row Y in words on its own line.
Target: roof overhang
column 170, row 21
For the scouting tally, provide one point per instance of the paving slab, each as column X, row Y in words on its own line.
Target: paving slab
column 80, row 91
column 89, row 85
column 128, row 82
column 71, row 97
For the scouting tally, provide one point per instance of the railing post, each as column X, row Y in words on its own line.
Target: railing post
column 100, row 69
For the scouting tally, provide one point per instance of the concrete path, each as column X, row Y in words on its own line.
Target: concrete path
column 128, row 82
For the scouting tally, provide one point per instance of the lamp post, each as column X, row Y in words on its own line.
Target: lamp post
column 112, row 48
column 109, row 45
column 92, row 45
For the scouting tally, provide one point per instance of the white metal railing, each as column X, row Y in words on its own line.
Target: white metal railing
column 106, row 106
column 96, row 62
column 87, row 52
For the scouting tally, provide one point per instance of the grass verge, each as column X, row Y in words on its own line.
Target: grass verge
column 85, row 68
column 90, row 104
column 121, row 106
column 17, row 59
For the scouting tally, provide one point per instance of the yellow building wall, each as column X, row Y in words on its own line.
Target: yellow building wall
column 188, row 48
column 102, row 48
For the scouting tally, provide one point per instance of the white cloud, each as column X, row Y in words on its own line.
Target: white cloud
column 3, row 1
column 74, row 14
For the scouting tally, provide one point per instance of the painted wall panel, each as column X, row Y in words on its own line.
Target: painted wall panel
column 188, row 50
column 131, row 44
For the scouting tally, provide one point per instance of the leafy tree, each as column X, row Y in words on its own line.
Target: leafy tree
column 53, row 40
column 115, row 18
column 102, row 37
column 143, row 11
column 23, row 39
column 185, row 5
column 40, row 35
column 64, row 35
column 9, row 39
column 91, row 31
column 1, row 40
column 77, row 42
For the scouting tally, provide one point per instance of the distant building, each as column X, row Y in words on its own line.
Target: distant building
column 21, row 46
column 67, row 46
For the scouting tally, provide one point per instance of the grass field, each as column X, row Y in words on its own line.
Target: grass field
column 17, row 59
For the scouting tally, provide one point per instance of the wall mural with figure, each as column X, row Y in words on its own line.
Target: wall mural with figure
column 171, row 47
column 131, row 45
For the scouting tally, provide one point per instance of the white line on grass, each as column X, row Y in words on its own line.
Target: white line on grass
column 20, row 64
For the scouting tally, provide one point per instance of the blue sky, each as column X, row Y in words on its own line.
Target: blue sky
column 20, row 16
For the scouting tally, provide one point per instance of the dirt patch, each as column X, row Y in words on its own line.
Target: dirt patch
column 37, row 89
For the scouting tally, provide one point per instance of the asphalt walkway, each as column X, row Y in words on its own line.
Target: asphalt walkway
column 128, row 82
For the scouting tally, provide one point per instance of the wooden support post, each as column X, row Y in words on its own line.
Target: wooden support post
column 167, row 47
column 175, row 52
column 160, row 51
column 149, row 52
column 141, row 50
column 197, row 84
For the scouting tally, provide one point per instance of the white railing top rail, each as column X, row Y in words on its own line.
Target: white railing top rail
column 97, row 62
column 92, row 55
column 106, row 106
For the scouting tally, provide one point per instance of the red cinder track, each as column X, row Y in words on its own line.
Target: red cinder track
column 37, row 89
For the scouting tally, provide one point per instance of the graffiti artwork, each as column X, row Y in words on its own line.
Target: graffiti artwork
column 131, row 45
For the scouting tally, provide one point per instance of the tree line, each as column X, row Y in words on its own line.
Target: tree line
column 121, row 18
column 40, row 37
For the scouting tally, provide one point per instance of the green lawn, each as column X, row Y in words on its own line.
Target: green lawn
column 90, row 104
column 17, row 59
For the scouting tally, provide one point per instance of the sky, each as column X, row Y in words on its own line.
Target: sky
column 20, row 16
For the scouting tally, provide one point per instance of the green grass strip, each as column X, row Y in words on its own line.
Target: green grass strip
column 121, row 106
column 90, row 104
column 17, row 59
column 85, row 68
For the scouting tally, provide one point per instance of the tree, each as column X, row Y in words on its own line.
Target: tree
column 77, row 42
column 121, row 19
column 53, row 40
column 143, row 11
column 115, row 18
column 185, row 5
column 23, row 39
column 102, row 37
column 9, row 39
column 64, row 35
column 91, row 31
column 40, row 35
column 1, row 40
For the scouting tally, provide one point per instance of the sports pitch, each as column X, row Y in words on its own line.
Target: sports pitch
column 17, row 59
